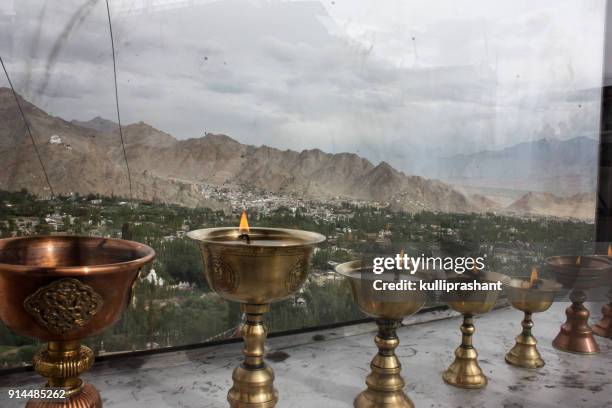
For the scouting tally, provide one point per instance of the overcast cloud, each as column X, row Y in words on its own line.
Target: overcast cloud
column 401, row 81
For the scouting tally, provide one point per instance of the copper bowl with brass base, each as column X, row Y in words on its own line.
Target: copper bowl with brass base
column 529, row 299
column 464, row 371
column 62, row 289
column 270, row 266
column 603, row 327
column 385, row 385
column 578, row 274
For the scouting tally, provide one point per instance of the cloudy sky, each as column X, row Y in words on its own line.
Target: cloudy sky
column 401, row 81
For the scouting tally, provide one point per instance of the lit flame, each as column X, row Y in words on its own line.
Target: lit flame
column 534, row 276
column 610, row 250
column 578, row 260
column 401, row 263
column 244, row 223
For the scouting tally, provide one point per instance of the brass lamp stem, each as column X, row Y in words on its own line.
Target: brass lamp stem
column 527, row 325
column 525, row 353
column 62, row 362
column 467, row 330
column 253, row 379
column 465, row 372
column 385, row 384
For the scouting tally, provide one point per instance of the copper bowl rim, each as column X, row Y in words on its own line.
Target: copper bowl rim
column 548, row 285
column 211, row 236
column 81, row 270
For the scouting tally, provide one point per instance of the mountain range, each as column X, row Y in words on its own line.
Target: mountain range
column 87, row 157
column 564, row 166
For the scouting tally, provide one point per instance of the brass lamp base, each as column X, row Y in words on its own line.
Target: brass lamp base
column 525, row 353
column 465, row 372
column 62, row 363
column 253, row 379
column 576, row 336
column 603, row 327
column 385, row 384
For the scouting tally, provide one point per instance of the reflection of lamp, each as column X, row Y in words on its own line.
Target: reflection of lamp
column 578, row 274
column 62, row 289
column 255, row 267
column 385, row 384
column 529, row 295
column 464, row 372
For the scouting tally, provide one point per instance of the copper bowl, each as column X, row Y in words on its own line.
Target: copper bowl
column 63, row 288
column 590, row 272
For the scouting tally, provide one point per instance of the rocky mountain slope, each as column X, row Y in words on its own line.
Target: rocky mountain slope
column 581, row 206
column 87, row 157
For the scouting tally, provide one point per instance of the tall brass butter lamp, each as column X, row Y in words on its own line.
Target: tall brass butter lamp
column 385, row 384
column 62, row 289
column 255, row 267
column 529, row 295
column 464, row 372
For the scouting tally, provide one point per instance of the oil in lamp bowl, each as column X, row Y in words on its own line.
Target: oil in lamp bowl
column 266, row 265
column 578, row 274
column 529, row 298
column 384, row 383
column 62, row 289
column 464, row 371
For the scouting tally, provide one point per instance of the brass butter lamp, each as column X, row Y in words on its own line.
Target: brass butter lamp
column 384, row 383
column 529, row 295
column 578, row 274
column 255, row 266
column 603, row 327
column 62, row 289
column 464, row 371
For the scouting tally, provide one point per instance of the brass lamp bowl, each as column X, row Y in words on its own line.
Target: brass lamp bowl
column 473, row 302
column 385, row 304
column 464, row 372
column 578, row 274
column 62, row 289
column 385, row 383
column 529, row 299
column 268, row 266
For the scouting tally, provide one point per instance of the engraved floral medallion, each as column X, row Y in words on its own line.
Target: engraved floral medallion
column 297, row 275
column 64, row 305
column 223, row 276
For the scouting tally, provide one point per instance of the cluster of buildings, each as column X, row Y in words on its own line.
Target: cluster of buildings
column 330, row 209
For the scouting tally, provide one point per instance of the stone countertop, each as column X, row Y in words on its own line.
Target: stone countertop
column 329, row 370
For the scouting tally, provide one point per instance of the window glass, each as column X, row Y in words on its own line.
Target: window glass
column 446, row 128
